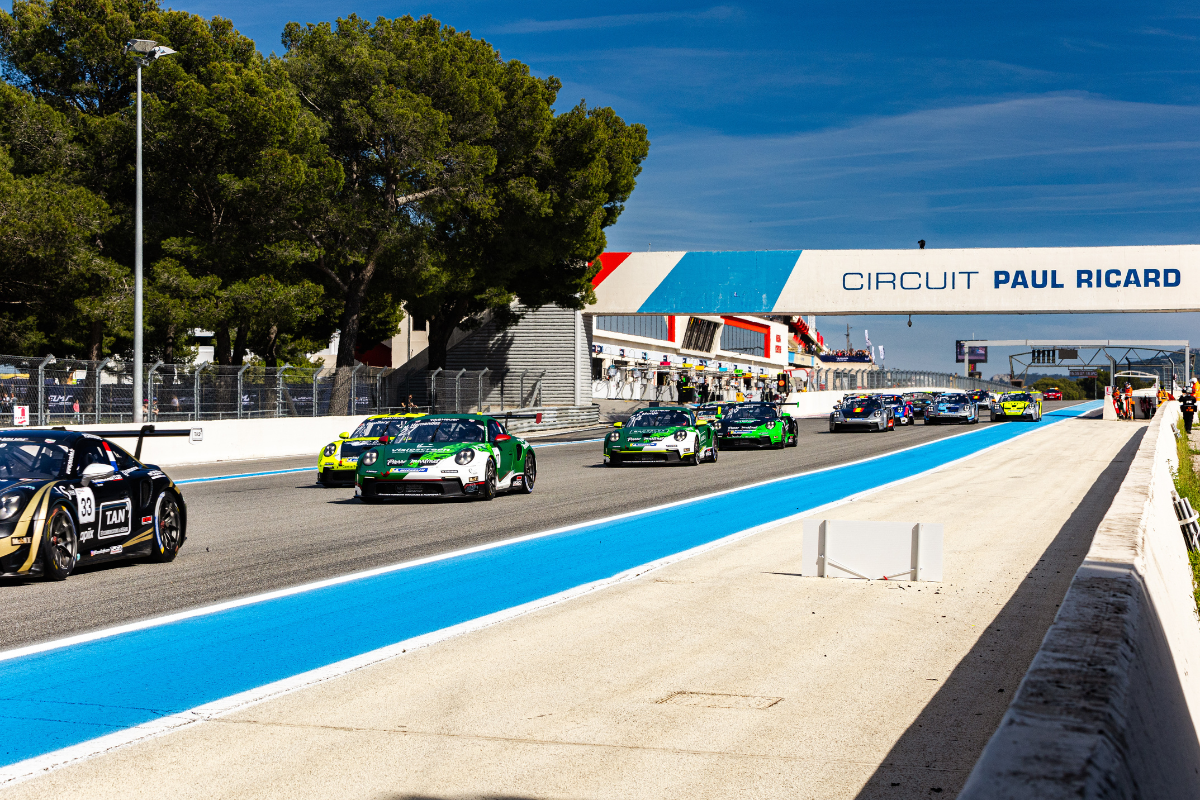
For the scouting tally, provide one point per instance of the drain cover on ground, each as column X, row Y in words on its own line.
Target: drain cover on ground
column 710, row 700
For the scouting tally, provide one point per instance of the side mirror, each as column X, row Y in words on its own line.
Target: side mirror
column 344, row 435
column 97, row 472
column 617, row 424
column 502, row 437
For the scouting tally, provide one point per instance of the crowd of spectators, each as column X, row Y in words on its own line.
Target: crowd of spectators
column 850, row 353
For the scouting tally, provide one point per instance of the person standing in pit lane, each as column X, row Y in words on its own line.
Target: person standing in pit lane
column 1187, row 404
column 1128, row 400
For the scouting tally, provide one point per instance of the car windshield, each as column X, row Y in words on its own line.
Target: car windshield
column 919, row 397
column 708, row 411
column 1015, row 397
column 660, row 418
column 954, row 398
column 892, row 399
column 436, row 431
column 752, row 413
column 374, row 428
column 869, row 403
column 31, row 458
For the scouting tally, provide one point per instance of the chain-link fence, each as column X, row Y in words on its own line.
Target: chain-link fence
column 464, row 391
column 50, row 391
column 673, row 384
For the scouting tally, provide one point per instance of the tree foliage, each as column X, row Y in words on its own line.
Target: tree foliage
column 374, row 167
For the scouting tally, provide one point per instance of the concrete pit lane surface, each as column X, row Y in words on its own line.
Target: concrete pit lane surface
column 249, row 535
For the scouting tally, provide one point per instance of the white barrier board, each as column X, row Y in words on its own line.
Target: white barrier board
column 839, row 548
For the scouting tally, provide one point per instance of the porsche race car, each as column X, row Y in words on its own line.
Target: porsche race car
column 757, row 424
column 902, row 410
column 338, row 460
column 1017, row 405
column 919, row 402
column 871, row 414
column 661, row 433
column 446, row 455
column 952, row 407
column 69, row 498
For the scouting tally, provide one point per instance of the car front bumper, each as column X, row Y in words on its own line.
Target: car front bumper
column 417, row 487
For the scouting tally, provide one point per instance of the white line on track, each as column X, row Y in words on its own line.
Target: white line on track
column 29, row 768
column 243, row 475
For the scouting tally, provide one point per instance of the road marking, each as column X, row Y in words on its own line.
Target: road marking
column 226, row 656
column 242, row 475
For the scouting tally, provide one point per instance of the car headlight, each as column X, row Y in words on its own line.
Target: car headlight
column 464, row 456
column 330, row 449
column 680, row 435
column 614, row 437
column 10, row 504
column 370, row 457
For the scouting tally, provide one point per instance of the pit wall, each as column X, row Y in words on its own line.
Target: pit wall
column 283, row 437
column 237, row 439
column 1109, row 706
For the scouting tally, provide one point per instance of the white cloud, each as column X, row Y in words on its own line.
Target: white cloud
column 716, row 13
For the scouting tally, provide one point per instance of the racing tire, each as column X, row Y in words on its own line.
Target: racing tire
column 489, row 481
column 793, row 436
column 833, row 428
column 168, row 529
column 712, row 458
column 60, row 544
column 530, row 473
column 694, row 459
column 613, row 461
column 928, row 421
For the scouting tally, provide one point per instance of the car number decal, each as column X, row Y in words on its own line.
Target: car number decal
column 85, row 506
column 115, row 519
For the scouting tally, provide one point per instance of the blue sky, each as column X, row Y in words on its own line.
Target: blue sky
column 874, row 124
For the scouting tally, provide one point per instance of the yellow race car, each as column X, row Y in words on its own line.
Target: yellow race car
column 338, row 460
column 1017, row 405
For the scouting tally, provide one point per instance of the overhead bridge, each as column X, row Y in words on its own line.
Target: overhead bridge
column 1015, row 280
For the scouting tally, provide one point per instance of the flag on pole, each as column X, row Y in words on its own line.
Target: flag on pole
column 882, row 357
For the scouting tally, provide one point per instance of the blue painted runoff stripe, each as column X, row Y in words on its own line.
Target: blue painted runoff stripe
column 65, row 696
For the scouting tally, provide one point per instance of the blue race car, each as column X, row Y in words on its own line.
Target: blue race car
column 952, row 407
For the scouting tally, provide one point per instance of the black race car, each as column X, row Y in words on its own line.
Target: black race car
column 70, row 497
column 919, row 402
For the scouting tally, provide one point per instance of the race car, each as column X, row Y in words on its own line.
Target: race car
column 919, row 402
column 952, row 407
column 661, row 433
column 446, row 455
column 337, row 461
column 757, row 424
column 69, row 498
column 981, row 397
column 711, row 412
column 871, row 414
column 1053, row 393
column 902, row 410
column 1017, row 405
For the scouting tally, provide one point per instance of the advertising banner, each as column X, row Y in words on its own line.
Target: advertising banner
column 1029, row 280
column 978, row 353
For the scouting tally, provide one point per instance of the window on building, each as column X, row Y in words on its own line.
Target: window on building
column 419, row 324
column 597, row 369
column 699, row 335
column 647, row 326
column 742, row 340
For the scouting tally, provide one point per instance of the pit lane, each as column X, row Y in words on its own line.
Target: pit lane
column 254, row 534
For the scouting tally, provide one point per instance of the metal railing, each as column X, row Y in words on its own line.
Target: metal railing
column 462, row 391
column 72, row 391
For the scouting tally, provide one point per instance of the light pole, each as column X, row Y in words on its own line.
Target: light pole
column 144, row 51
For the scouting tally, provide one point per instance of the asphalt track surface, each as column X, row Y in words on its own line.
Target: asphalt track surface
column 250, row 535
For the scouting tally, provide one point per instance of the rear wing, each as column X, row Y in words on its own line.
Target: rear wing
column 146, row 431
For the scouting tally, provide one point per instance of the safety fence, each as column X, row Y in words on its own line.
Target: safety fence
column 481, row 390
column 679, row 385
column 49, row 391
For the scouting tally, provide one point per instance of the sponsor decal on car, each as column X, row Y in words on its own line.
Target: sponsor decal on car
column 16, row 540
column 115, row 519
column 147, row 520
column 109, row 551
column 85, row 505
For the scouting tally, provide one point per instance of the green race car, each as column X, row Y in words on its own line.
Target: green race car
column 338, row 460
column 757, row 424
column 1017, row 405
column 661, row 433
column 447, row 455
